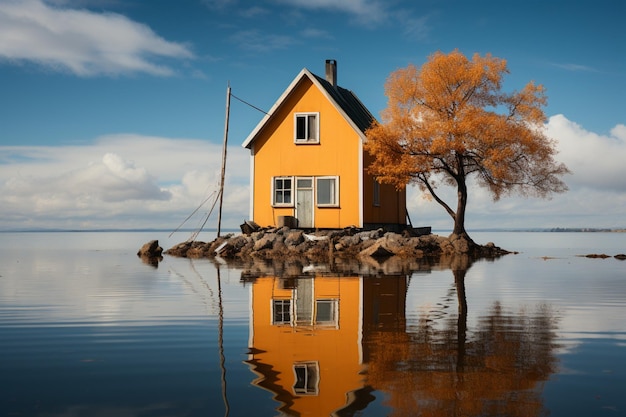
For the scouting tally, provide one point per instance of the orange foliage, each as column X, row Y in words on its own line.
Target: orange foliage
column 449, row 119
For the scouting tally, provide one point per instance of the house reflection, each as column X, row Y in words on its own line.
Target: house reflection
column 324, row 345
column 305, row 336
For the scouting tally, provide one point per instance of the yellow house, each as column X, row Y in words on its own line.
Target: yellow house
column 308, row 164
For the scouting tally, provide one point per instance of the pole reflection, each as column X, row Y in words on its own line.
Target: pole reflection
column 329, row 343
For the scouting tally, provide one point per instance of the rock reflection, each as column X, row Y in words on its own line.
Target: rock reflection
column 325, row 339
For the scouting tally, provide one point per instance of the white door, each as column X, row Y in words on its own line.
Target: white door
column 304, row 202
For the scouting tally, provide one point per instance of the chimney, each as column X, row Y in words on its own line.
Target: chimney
column 331, row 72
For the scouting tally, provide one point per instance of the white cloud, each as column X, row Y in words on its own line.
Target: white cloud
column 597, row 195
column 131, row 181
column 596, row 161
column 314, row 33
column 254, row 40
column 366, row 11
column 82, row 42
column 119, row 181
column 575, row 67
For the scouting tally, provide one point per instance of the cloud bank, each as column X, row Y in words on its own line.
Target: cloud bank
column 118, row 181
column 596, row 196
column 82, row 42
column 135, row 181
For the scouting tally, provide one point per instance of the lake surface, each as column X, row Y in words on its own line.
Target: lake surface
column 88, row 329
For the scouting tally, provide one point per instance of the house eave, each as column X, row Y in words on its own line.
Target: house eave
column 252, row 136
column 304, row 73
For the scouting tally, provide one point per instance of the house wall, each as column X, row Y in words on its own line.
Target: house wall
column 336, row 154
column 337, row 350
column 391, row 213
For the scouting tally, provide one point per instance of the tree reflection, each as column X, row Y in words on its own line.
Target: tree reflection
column 431, row 365
column 441, row 368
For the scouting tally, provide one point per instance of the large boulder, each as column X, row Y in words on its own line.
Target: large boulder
column 150, row 250
column 265, row 242
column 377, row 250
column 294, row 238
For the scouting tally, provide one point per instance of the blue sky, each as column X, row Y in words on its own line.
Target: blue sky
column 112, row 111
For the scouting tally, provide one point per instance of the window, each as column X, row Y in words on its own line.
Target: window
column 307, row 376
column 326, row 312
column 327, row 191
column 281, row 311
column 282, row 191
column 376, row 198
column 307, row 128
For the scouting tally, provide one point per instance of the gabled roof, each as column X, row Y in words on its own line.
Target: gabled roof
column 345, row 101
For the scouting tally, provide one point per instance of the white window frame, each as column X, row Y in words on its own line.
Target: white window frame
column 335, row 202
column 334, row 311
column 309, row 385
column 291, row 191
column 283, row 302
column 306, row 140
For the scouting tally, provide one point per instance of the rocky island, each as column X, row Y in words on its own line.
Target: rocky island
column 326, row 245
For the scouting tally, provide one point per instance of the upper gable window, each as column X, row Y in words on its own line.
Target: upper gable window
column 307, row 128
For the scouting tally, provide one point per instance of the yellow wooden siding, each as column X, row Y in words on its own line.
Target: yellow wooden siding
column 337, row 154
column 336, row 350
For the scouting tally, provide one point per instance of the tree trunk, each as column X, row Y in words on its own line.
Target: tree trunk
column 459, row 218
column 459, row 281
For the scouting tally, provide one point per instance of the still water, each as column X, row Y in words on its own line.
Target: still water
column 88, row 329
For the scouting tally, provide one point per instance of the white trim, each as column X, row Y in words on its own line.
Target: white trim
column 361, row 174
column 336, row 190
column 359, row 341
column 334, row 305
column 306, row 391
column 275, row 106
column 250, row 320
column 291, row 321
column 337, row 106
column 251, row 214
column 304, row 73
column 292, row 196
column 316, row 139
column 295, row 201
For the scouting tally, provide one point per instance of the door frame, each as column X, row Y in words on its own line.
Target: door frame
column 312, row 205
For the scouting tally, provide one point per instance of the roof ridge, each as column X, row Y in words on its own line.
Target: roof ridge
column 349, row 102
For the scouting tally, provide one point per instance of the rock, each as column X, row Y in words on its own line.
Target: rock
column 597, row 256
column 248, row 227
column 265, row 242
column 377, row 250
column 277, row 244
column 347, row 241
column 294, row 238
column 620, row 256
column 150, row 250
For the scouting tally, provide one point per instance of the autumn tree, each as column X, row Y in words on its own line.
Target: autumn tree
column 449, row 120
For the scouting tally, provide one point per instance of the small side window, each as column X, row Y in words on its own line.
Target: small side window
column 376, row 198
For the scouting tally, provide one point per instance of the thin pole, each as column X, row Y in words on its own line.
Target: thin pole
column 219, row 216
column 220, row 341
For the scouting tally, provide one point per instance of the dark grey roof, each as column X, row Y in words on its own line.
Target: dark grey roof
column 350, row 104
